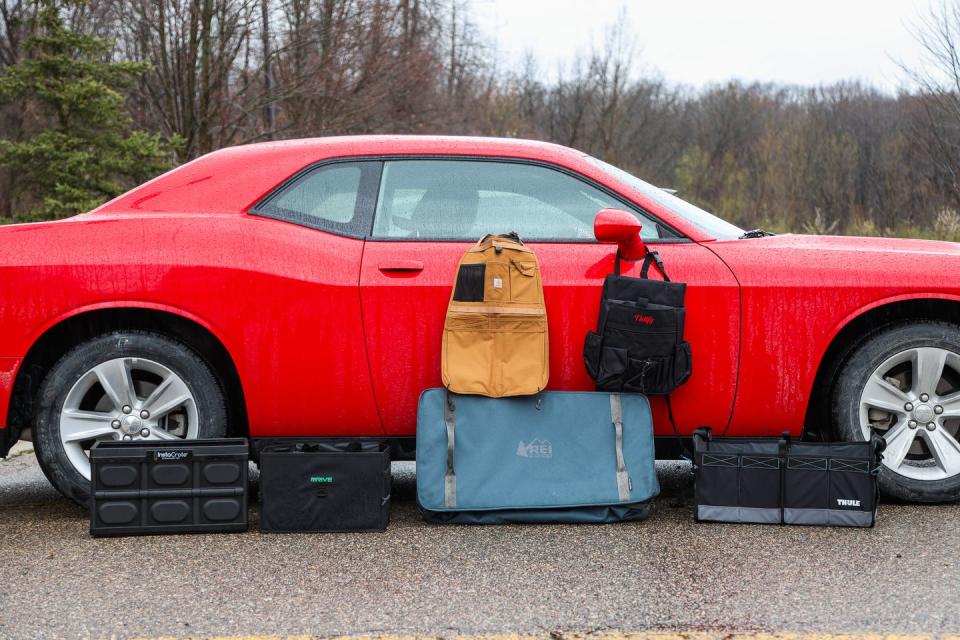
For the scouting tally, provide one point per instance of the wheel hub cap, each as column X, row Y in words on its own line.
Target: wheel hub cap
column 131, row 425
column 923, row 413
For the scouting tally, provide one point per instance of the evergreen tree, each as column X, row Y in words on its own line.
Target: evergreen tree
column 77, row 148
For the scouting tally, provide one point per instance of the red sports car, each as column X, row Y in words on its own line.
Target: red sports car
column 299, row 288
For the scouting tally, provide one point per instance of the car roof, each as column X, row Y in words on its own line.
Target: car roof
column 232, row 179
column 387, row 144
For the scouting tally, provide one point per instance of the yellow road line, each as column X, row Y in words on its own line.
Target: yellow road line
column 627, row 635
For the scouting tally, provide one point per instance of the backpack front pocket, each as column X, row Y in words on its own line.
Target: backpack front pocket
column 520, row 364
column 470, row 282
column 468, row 348
column 592, row 346
column 613, row 362
column 524, row 283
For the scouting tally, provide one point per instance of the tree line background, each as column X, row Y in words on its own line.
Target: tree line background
column 99, row 95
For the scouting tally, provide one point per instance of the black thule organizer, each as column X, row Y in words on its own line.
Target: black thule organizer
column 149, row 487
column 781, row 481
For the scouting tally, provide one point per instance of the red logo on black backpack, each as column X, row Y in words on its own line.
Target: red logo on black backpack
column 642, row 319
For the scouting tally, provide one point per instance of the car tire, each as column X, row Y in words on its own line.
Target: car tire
column 154, row 363
column 884, row 386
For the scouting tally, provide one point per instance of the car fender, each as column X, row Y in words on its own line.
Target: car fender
column 832, row 354
column 124, row 304
column 876, row 304
column 10, row 367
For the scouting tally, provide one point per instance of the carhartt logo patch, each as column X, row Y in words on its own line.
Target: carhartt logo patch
column 538, row 448
column 843, row 502
column 498, row 283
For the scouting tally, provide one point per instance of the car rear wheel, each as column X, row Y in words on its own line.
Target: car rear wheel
column 121, row 386
column 904, row 384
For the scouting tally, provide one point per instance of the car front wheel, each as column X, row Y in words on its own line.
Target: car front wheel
column 121, row 386
column 904, row 384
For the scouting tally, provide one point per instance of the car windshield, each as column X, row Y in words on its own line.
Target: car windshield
column 717, row 227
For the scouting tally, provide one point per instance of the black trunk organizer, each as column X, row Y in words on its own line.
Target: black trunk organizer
column 149, row 487
column 781, row 481
column 323, row 485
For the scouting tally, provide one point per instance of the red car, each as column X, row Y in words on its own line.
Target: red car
column 299, row 288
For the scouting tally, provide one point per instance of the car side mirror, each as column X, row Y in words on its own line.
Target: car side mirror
column 616, row 226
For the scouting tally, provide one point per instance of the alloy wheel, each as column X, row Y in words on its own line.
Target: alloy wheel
column 913, row 400
column 125, row 399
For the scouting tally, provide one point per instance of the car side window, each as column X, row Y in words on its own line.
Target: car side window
column 328, row 197
column 464, row 199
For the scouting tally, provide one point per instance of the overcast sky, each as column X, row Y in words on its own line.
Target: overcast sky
column 703, row 41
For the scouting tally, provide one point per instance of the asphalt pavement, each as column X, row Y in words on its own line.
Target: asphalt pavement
column 666, row 574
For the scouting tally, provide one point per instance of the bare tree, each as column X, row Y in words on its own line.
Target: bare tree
column 201, row 88
column 845, row 158
column 270, row 107
column 14, row 24
column 938, row 80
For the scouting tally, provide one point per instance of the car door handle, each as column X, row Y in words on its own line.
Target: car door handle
column 401, row 265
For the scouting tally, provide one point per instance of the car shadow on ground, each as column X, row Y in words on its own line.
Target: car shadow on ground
column 675, row 477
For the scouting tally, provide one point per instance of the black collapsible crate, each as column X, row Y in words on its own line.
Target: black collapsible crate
column 780, row 481
column 324, row 486
column 152, row 487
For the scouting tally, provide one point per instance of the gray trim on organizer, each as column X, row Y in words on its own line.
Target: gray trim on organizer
column 828, row 517
column 821, row 517
column 738, row 514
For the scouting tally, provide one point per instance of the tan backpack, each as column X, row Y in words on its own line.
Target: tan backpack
column 495, row 335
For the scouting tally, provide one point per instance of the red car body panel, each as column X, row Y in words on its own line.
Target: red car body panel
column 798, row 292
column 326, row 342
column 8, row 372
column 277, row 304
column 404, row 315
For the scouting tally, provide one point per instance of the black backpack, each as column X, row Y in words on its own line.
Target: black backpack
column 638, row 345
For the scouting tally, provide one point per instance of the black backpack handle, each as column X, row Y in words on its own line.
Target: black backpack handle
column 512, row 235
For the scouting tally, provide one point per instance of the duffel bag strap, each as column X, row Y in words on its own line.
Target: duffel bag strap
column 685, row 454
column 623, row 479
column 450, row 477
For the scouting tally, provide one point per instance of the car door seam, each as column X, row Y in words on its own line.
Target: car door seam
column 736, row 379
